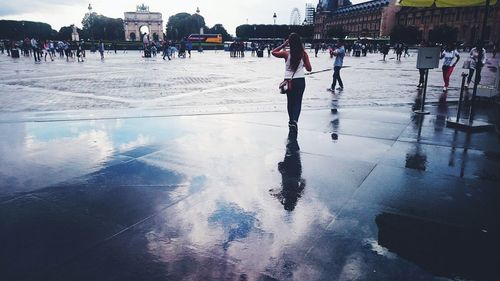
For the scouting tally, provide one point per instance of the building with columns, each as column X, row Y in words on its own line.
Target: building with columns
column 466, row 21
column 374, row 18
column 142, row 17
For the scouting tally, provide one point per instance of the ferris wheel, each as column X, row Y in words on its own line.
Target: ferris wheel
column 295, row 17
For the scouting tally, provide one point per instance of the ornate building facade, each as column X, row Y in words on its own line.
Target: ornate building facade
column 134, row 21
column 374, row 19
column 466, row 21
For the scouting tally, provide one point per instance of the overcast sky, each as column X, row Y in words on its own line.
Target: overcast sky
column 230, row 13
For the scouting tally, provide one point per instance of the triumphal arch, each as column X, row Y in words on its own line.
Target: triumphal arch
column 143, row 20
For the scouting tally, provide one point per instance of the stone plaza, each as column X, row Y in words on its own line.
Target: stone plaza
column 136, row 168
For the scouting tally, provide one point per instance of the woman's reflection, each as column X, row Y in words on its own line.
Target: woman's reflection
column 292, row 183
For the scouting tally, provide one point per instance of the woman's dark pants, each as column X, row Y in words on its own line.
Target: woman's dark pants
column 294, row 99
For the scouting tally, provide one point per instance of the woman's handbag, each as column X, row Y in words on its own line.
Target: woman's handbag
column 286, row 85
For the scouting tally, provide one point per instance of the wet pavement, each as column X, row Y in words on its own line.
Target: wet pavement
column 147, row 192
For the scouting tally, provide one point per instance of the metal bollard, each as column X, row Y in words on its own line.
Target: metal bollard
column 464, row 76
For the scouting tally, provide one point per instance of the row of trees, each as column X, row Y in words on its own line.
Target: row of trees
column 95, row 26
column 273, row 31
column 182, row 25
column 17, row 30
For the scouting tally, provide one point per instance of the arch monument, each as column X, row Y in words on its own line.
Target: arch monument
column 143, row 19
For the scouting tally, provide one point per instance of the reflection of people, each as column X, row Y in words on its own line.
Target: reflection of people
column 417, row 159
column 292, row 183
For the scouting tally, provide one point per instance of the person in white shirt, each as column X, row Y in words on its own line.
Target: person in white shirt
column 474, row 59
column 448, row 55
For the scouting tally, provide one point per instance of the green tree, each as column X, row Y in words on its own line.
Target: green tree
column 405, row 34
column 183, row 24
column 66, row 31
column 100, row 27
column 11, row 29
column 219, row 29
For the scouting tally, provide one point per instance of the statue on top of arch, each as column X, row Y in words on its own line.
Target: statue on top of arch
column 142, row 8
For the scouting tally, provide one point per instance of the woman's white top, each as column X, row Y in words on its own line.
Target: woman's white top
column 289, row 72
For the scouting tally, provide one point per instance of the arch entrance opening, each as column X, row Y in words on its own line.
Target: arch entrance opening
column 144, row 29
column 142, row 21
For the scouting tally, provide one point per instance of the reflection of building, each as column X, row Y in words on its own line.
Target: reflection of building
column 309, row 16
column 369, row 19
column 467, row 21
column 134, row 21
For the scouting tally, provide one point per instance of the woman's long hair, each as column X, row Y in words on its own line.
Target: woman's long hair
column 296, row 51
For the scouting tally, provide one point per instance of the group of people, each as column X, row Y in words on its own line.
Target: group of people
column 47, row 48
column 450, row 56
column 296, row 60
column 237, row 49
column 168, row 48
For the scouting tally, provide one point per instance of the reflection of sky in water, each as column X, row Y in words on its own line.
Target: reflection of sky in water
column 235, row 221
column 234, row 215
column 35, row 155
column 230, row 211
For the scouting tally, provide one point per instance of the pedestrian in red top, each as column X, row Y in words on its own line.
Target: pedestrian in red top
column 295, row 61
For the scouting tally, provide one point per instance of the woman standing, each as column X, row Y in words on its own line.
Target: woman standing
column 474, row 58
column 295, row 61
column 448, row 55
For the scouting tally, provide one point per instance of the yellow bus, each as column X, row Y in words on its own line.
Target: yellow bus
column 205, row 38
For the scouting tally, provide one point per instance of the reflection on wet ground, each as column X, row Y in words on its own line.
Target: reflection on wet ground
column 450, row 251
column 292, row 183
column 370, row 194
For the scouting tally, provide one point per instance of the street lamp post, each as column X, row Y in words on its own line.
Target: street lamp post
column 90, row 22
column 198, row 19
column 274, row 27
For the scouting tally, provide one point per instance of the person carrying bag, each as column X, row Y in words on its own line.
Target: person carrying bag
column 294, row 84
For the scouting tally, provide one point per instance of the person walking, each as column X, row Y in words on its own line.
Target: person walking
column 399, row 51
column 448, row 55
column 100, row 47
column 474, row 59
column 79, row 51
column 384, row 50
column 166, row 50
column 339, row 54
column 34, row 46
column 295, row 61
column 316, row 50
column 189, row 47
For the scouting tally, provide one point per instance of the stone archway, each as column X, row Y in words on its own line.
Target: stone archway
column 135, row 21
column 132, row 36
